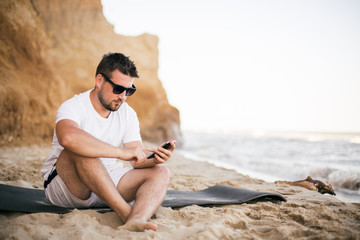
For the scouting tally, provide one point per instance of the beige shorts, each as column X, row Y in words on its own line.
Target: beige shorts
column 58, row 194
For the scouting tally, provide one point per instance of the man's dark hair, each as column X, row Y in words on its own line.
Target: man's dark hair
column 112, row 61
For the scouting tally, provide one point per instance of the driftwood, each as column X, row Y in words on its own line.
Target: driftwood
column 311, row 184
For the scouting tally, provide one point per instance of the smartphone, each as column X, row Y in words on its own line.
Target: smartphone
column 167, row 145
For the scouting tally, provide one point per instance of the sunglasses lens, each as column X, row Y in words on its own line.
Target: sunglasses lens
column 130, row 91
column 121, row 89
column 118, row 89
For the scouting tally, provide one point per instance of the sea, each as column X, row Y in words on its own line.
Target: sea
column 290, row 156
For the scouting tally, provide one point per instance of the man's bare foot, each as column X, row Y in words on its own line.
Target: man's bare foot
column 139, row 226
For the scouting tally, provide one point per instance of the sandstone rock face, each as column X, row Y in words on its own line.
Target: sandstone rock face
column 49, row 51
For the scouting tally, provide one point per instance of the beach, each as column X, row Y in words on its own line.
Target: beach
column 306, row 214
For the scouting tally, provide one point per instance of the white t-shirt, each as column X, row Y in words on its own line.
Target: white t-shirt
column 122, row 126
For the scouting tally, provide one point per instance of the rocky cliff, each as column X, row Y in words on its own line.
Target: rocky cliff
column 49, row 51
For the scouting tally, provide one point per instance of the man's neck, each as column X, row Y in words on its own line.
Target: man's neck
column 97, row 105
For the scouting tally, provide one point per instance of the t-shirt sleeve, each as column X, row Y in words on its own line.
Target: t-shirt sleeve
column 132, row 132
column 69, row 110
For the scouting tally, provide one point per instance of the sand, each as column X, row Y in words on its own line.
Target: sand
column 306, row 215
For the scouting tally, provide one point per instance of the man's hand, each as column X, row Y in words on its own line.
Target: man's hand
column 162, row 154
column 135, row 154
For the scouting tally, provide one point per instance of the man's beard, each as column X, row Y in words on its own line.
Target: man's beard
column 106, row 105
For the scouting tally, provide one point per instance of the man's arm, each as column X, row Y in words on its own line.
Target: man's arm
column 76, row 140
column 161, row 156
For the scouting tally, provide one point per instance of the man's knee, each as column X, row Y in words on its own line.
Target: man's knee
column 76, row 160
column 64, row 161
column 163, row 172
column 68, row 156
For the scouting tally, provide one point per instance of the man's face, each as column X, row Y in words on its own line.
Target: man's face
column 108, row 99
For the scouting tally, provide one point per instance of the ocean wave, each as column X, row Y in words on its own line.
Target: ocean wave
column 347, row 180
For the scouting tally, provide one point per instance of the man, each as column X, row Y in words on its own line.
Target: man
column 82, row 169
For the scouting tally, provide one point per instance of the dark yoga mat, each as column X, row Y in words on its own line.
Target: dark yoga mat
column 18, row 199
column 216, row 195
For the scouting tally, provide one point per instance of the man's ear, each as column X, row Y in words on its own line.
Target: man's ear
column 98, row 80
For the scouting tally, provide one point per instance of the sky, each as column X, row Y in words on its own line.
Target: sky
column 253, row 65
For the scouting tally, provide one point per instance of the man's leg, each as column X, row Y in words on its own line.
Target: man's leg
column 148, row 187
column 85, row 175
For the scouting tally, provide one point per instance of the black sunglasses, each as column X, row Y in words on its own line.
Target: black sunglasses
column 118, row 89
